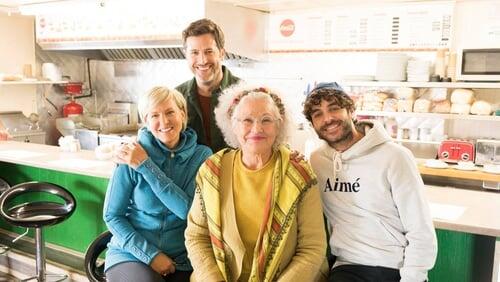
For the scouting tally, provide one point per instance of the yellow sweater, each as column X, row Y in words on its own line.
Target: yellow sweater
column 249, row 190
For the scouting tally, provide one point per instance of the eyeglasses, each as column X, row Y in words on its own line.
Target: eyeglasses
column 264, row 121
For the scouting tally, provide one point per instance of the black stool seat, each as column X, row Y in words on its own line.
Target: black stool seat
column 40, row 213
column 37, row 214
column 94, row 270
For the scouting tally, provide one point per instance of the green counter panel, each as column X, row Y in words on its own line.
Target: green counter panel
column 85, row 224
column 463, row 257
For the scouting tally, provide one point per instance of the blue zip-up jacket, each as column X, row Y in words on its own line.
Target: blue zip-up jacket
column 145, row 209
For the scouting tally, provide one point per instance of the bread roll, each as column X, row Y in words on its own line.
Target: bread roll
column 481, row 108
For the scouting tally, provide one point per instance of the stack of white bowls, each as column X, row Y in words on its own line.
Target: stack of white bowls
column 391, row 67
column 418, row 70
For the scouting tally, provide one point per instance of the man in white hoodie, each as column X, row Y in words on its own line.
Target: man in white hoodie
column 372, row 193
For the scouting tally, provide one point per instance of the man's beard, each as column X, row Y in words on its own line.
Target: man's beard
column 347, row 134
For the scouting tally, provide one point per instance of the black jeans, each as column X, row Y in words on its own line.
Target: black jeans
column 363, row 273
column 136, row 271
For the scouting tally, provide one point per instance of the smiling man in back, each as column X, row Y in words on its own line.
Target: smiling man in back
column 204, row 48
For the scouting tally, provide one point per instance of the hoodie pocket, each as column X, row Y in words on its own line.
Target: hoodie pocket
column 393, row 233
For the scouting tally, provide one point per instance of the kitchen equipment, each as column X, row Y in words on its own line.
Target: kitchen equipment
column 153, row 31
column 478, row 64
column 487, row 151
column 72, row 88
column 66, row 126
column 72, row 108
column 21, row 128
column 454, row 150
column 51, row 72
column 128, row 109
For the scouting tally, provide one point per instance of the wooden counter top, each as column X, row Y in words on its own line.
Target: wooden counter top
column 50, row 157
column 481, row 209
column 462, row 174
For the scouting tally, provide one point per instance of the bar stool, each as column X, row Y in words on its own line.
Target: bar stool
column 37, row 214
column 95, row 270
column 4, row 186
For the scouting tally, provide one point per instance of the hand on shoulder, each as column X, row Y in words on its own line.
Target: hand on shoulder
column 132, row 154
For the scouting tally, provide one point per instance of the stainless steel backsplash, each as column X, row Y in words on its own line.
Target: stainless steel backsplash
column 111, row 81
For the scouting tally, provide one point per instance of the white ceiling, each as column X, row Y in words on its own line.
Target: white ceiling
column 262, row 5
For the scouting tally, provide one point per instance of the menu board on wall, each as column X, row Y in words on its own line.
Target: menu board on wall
column 116, row 20
column 391, row 26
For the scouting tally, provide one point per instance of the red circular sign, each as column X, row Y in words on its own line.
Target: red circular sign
column 287, row 27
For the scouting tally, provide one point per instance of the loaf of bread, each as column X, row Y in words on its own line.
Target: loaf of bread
column 405, row 106
column 422, row 106
column 462, row 96
column 442, row 107
column 390, row 105
column 405, row 93
column 438, row 94
column 462, row 109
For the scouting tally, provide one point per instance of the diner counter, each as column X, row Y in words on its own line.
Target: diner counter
column 51, row 157
column 469, row 211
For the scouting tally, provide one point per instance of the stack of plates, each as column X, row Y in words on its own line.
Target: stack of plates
column 418, row 70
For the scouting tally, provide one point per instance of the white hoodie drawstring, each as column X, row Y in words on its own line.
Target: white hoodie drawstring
column 337, row 163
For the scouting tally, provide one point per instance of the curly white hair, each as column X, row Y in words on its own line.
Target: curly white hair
column 228, row 107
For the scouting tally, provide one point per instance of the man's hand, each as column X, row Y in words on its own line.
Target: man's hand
column 131, row 154
column 162, row 264
column 296, row 156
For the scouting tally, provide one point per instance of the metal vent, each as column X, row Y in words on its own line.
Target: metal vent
column 175, row 53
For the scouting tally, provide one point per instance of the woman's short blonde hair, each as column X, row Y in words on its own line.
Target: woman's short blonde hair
column 158, row 95
column 228, row 107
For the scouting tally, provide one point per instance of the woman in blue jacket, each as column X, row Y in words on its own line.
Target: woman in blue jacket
column 150, row 193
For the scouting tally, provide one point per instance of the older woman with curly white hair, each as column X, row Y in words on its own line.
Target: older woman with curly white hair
column 257, row 214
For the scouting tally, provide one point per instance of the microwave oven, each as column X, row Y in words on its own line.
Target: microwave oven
column 478, row 64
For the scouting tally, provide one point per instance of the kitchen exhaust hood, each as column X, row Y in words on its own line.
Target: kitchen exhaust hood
column 147, row 30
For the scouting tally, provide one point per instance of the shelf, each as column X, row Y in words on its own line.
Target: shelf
column 38, row 82
column 455, row 173
column 416, row 141
column 428, row 115
column 491, row 85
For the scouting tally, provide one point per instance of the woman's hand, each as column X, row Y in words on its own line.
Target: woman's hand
column 131, row 154
column 162, row 264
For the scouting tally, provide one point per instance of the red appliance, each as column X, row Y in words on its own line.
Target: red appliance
column 72, row 108
column 453, row 151
column 72, row 88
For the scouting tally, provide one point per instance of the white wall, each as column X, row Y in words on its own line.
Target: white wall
column 17, row 48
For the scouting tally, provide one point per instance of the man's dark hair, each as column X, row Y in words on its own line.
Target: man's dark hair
column 204, row 26
column 322, row 92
